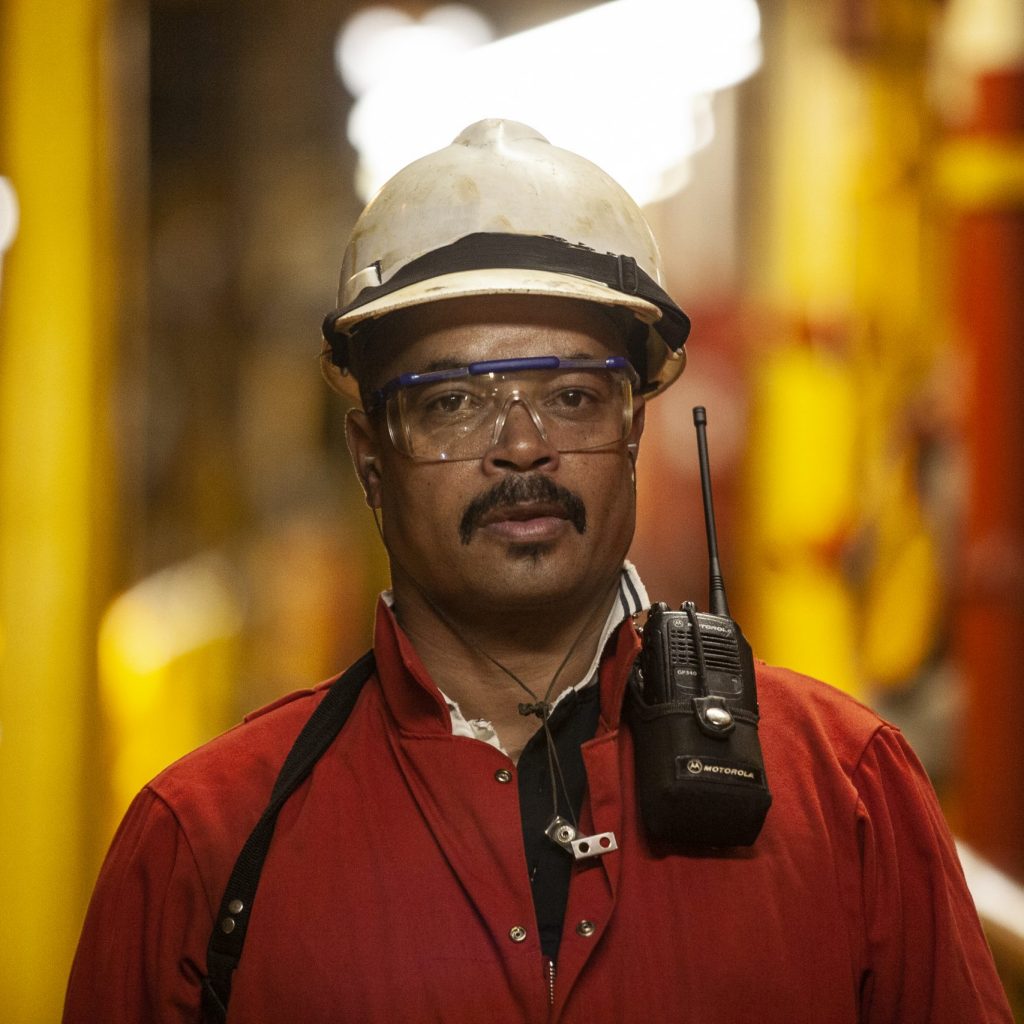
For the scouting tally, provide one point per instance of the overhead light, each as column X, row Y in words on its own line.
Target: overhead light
column 378, row 42
column 626, row 83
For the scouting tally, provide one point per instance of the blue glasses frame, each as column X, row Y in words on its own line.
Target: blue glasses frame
column 409, row 380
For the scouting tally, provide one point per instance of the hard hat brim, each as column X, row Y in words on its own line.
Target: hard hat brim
column 497, row 281
column 512, row 281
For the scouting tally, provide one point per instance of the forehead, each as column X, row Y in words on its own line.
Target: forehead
column 456, row 332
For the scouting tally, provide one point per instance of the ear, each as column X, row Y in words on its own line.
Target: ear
column 362, row 446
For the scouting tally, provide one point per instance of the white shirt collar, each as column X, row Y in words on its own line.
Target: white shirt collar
column 631, row 600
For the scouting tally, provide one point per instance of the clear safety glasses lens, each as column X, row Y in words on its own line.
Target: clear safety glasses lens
column 574, row 408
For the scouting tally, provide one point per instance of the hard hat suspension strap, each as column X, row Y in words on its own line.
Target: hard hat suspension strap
column 495, row 250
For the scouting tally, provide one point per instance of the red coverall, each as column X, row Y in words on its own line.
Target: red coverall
column 396, row 880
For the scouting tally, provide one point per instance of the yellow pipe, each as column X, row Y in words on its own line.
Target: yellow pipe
column 56, row 502
column 839, row 535
column 981, row 172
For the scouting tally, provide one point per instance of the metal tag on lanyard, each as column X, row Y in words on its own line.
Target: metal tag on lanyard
column 563, row 833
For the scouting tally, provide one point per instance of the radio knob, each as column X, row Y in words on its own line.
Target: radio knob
column 719, row 717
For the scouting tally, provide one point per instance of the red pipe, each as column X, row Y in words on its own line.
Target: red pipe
column 988, row 251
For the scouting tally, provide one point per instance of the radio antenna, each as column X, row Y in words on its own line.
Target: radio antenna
column 716, row 586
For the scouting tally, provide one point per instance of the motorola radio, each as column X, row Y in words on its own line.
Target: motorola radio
column 693, row 711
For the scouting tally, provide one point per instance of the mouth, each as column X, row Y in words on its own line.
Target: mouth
column 526, row 523
column 524, row 510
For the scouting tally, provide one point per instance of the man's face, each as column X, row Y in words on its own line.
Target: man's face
column 524, row 526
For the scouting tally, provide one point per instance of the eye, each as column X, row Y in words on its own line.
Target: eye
column 572, row 398
column 448, row 404
column 576, row 400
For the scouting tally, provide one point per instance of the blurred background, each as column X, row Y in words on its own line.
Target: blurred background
column 838, row 190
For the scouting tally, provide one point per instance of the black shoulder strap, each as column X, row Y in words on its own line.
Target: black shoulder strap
column 228, row 937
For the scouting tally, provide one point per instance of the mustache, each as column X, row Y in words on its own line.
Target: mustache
column 516, row 490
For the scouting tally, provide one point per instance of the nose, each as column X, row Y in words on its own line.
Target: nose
column 521, row 444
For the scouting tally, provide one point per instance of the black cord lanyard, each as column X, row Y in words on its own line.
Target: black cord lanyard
column 228, row 937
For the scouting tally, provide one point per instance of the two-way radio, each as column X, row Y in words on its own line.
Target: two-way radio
column 693, row 711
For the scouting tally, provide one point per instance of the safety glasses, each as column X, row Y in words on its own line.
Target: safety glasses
column 459, row 413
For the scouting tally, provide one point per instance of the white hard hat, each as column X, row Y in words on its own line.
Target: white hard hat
column 502, row 211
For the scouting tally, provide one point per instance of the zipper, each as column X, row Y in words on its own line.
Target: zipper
column 551, row 982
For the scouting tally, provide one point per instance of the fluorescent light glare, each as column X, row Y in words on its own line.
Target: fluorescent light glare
column 9, row 215
column 465, row 23
column 361, row 47
column 999, row 898
column 380, row 44
column 626, row 83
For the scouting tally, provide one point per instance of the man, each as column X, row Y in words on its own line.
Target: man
column 502, row 315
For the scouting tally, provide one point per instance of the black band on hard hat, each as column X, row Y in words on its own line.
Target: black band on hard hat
column 495, row 251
